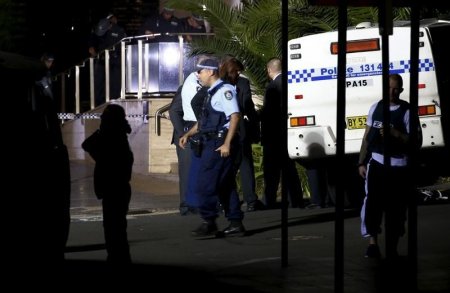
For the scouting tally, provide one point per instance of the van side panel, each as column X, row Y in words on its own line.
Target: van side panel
column 312, row 89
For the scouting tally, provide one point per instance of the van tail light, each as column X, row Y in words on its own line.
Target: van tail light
column 427, row 110
column 302, row 121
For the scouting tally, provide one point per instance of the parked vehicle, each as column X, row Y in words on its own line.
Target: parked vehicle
column 312, row 91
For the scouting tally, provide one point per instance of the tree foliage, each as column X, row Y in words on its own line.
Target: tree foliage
column 252, row 31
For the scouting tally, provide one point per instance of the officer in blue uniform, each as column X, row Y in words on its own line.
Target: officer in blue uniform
column 217, row 129
column 164, row 23
column 183, row 118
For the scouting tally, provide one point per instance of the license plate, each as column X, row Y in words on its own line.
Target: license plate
column 356, row 122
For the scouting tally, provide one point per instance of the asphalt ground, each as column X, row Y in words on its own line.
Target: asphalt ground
column 165, row 255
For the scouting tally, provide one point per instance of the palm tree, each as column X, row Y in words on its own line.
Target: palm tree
column 252, row 31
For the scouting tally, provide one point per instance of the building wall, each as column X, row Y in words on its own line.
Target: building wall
column 153, row 153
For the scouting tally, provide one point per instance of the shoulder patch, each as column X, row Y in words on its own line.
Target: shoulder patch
column 228, row 95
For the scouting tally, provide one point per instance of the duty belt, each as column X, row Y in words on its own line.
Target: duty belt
column 214, row 135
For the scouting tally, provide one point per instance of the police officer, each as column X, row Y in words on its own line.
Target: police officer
column 230, row 71
column 183, row 118
column 193, row 24
column 106, row 35
column 218, row 129
column 164, row 23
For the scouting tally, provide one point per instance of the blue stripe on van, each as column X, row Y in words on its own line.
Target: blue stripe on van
column 358, row 70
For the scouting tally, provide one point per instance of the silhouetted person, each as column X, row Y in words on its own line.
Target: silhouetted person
column 39, row 173
column 110, row 149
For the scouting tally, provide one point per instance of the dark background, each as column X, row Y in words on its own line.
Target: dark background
column 62, row 28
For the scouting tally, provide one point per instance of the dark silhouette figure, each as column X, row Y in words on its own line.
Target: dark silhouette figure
column 38, row 177
column 110, row 149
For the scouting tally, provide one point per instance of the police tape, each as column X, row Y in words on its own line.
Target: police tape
column 73, row 116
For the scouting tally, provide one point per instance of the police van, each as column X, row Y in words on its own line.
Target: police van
column 312, row 86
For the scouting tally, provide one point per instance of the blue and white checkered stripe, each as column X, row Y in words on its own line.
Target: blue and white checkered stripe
column 358, row 70
column 72, row 116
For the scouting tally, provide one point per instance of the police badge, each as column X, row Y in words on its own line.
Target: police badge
column 228, row 95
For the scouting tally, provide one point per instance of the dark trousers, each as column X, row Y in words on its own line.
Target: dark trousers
column 388, row 190
column 115, row 209
column 184, row 165
column 216, row 180
column 276, row 162
column 247, row 171
column 192, row 199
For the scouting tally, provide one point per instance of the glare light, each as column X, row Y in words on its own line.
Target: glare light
column 171, row 56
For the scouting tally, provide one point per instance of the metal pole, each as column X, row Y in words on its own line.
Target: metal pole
column 386, row 29
column 91, row 82
column 340, row 148
column 107, row 80
column 181, row 60
column 122, row 69
column 284, row 200
column 140, row 60
column 413, row 128
column 77, row 89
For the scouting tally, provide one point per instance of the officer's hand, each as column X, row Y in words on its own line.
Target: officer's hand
column 224, row 150
column 362, row 170
column 182, row 142
column 147, row 32
column 92, row 52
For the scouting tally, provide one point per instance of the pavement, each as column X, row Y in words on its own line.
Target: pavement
column 166, row 257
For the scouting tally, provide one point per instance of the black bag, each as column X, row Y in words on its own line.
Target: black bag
column 196, row 146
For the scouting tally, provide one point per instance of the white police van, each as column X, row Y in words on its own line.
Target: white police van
column 312, row 86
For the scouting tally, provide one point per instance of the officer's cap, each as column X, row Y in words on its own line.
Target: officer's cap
column 209, row 63
column 168, row 10
column 197, row 17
